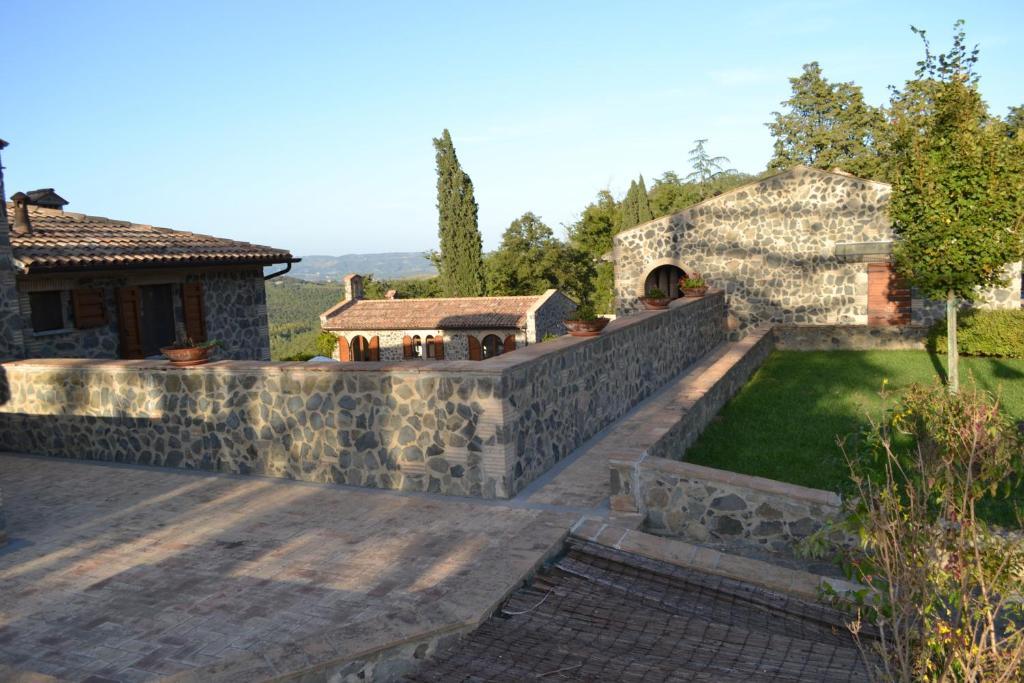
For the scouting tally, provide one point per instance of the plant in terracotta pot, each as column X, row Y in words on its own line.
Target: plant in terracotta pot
column 585, row 321
column 186, row 352
column 655, row 299
column 693, row 285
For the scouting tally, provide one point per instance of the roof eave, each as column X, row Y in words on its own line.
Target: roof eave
column 36, row 269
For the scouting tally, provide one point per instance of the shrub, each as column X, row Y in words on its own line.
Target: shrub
column 656, row 294
column 941, row 598
column 982, row 332
column 302, row 357
column 325, row 344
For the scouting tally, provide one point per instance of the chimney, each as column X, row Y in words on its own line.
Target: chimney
column 21, row 226
column 391, row 294
column 353, row 286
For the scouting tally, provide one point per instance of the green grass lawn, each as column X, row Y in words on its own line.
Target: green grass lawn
column 784, row 423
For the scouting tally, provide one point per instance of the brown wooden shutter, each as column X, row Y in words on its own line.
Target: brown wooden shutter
column 375, row 348
column 888, row 296
column 192, row 307
column 89, row 308
column 474, row 348
column 406, row 347
column 510, row 343
column 439, row 347
column 128, row 324
column 344, row 353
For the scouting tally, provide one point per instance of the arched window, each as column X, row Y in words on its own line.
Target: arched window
column 665, row 278
column 360, row 348
column 417, row 346
column 430, row 345
column 492, row 346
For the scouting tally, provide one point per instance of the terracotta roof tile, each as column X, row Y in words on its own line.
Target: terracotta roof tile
column 441, row 314
column 62, row 241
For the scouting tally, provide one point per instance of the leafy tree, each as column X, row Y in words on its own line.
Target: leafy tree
column 958, row 184
column 706, row 168
column 460, row 261
column 636, row 207
column 531, row 260
column 826, row 125
column 671, row 194
column 1015, row 121
column 592, row 235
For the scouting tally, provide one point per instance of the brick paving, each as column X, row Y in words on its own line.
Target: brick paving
column 131, row 573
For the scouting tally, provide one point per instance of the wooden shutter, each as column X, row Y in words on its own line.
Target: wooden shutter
column 128, row 321
column 89, row 308
column 192, row 307
column 344, row 353
column 474, row 348
column 375, row 348
column 439, row 347
column 510, row 343
column 888, row 296
column 407, row 347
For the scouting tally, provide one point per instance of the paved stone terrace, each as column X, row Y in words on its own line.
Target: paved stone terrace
column 135, row 573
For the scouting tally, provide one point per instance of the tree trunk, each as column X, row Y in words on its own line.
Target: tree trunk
column 952, row 348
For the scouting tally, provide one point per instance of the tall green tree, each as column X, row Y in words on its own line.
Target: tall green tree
column 826, row 125
column 958, row 184
column 460, row 260
column 592, row 234
column 706, row 168
column 1015, row 121
column 532, row 260
column 636, row 206
column 670, row 194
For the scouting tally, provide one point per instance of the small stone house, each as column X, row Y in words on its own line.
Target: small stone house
column 78, row 286
column 804, row 247
column 466, row 328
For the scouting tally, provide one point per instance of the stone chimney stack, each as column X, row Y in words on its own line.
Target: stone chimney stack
column 22, row 225
column 10, row 315
column 353, row 286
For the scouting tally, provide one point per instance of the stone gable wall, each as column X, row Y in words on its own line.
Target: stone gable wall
column 771, row 246
column 456, row 427
column 11, row 344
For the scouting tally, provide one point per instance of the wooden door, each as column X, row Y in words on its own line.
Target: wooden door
column 475, row 352
column 888, row 296
column 192, row 309
column 129, row 315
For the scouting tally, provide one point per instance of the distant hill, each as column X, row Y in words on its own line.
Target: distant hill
column 388, row 266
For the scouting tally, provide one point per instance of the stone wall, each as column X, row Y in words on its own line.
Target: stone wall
column 456, row 427
column 548, row 316
column 792, row 248
column 10, row 320
column 848, row 337
column 234, row 303
column 707, row 505
column 3, row 521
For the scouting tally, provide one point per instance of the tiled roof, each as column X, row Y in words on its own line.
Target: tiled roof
column 62, row 241
column 428, row 314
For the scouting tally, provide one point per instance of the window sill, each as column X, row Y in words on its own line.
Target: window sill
column 54, row 333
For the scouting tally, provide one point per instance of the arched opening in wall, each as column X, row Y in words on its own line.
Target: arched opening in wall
column 492, row 346
column 360, row 348
column 666, row 278
column 417, row 346
column 429, row 343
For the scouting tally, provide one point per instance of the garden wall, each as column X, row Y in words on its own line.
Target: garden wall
column 455, row 427
column 849, row 337
column 704, row 504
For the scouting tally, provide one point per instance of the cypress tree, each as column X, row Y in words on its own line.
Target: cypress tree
column 460, row 261
column 636, row 207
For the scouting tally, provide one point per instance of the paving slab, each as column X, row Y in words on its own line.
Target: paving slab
column 130, row 573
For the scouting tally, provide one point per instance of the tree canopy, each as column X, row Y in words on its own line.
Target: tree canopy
column 826, row 125
column 460, row 259
column 636, row 207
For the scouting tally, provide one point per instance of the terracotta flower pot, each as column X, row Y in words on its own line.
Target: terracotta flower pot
column 190, row 355
column 695, row 291
column 586, row 328
column 654, row 304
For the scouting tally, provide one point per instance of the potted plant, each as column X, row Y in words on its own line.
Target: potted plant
column 655, row 300
column 693, row 285
column 585, row 322
column 184, row 353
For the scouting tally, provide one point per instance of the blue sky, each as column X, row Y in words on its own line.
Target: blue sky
column 308, row 125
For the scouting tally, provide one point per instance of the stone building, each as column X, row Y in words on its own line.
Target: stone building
column 78, row 286
column 804, row 246
column 466, row 328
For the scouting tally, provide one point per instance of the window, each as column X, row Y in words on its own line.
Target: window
column 47, row 311
column 492, row 346
column 417, row 346
column 430, row 346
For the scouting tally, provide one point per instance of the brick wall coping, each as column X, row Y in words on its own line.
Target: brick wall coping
column 691, row 471
column 493, row 366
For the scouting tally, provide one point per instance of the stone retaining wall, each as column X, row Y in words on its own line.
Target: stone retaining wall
column 3, row 521
column 456, row 427
column 849, row 337
column 703, row 504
